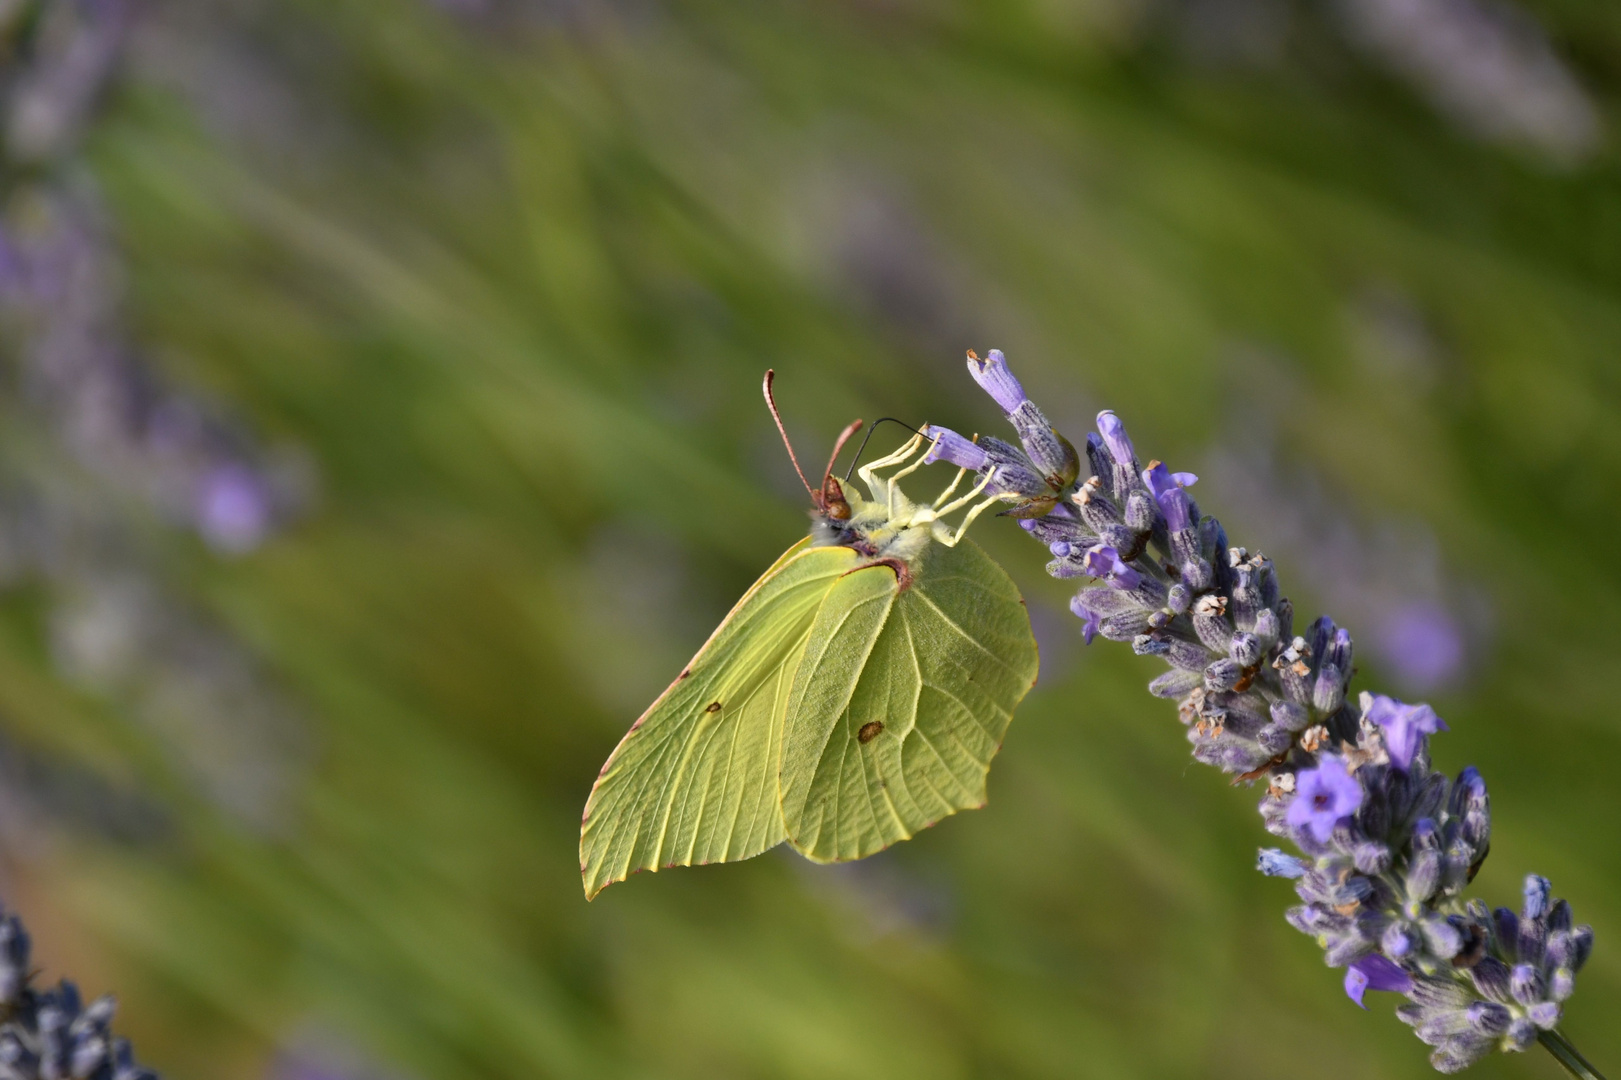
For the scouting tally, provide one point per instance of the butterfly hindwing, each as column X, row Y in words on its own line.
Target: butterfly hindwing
column 695, row 780
column 901, row 701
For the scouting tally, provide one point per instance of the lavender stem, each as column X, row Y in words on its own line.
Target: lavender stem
column 1568, row 1056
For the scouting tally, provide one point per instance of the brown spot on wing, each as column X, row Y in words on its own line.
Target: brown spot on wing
column 869, row 731
column 713, row 706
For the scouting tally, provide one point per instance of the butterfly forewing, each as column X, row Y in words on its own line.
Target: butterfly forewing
column 901, row 701
column 695, row 780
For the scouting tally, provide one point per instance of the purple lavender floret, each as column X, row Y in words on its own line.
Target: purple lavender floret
column 51, row 1034
column 1324, row 797
column 995, row 379
column 1388, row 845
column 950, row 447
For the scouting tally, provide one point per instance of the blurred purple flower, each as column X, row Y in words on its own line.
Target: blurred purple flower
column 1422, row 642
column 233, row 509
column 1115, row 438
column 954, row 448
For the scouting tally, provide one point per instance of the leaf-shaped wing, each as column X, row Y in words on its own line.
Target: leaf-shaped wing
column 695, row 779
column 901, row 701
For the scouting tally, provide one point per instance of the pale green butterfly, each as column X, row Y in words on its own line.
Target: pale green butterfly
column 856, row 694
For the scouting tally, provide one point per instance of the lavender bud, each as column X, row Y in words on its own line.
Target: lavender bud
column 1179, row 598
column 1561, row 984
column 995, row 379
column 1115, row 439
column 1533, row 936
column 1491, row 979
column 1506, row 928
column 1223, row 675
column 1526, row 984
column 1245, row 649
column 1049, row 451
column 1274, row 863
column 1188, row 656
column 1521, row 1034
column 1559, row 917
column 1125, row 626
column 1560, row 950
column 1537, row 894
column 1097, row 458
column 1329, row 692
column 1582, row 941
column 1290, row 715
column 1544, row 1014
column 1423, row 875
column 1141, row 513
column 1396, row 942
column 1371, row 857
column 1175, row 683
column 1489, row 1018
column 1442, row 938
column 1266, row 626
column 1148, row 645
column 1275, row 739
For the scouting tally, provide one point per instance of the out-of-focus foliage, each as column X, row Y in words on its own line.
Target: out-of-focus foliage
column 509, row 274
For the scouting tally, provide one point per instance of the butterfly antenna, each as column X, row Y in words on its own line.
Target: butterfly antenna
column 838, row 446
column 771, row 403
column 863, row 447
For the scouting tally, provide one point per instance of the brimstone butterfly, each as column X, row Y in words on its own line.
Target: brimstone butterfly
column 856, row 694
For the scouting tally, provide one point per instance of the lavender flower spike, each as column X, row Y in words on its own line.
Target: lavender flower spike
column 51, row 1034
column 1388, row 844
column 954, row 448
column 995, row 379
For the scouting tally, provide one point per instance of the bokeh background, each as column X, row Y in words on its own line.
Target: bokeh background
column 381, row 431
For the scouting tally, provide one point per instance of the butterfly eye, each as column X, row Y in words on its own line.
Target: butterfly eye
column 834, row 505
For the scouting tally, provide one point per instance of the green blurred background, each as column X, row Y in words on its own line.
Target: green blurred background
column 472, row 302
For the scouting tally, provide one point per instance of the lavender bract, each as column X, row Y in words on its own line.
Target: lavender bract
column 1388, row 845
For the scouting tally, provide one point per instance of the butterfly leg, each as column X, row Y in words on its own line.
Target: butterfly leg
column 946, row 494
column 973, row 494
column 949, row 538
column 866, row 471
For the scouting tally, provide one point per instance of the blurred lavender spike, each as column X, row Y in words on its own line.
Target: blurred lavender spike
column 1388, row 845
column 52, row 1034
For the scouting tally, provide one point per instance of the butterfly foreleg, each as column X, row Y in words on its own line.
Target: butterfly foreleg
column 973, row 494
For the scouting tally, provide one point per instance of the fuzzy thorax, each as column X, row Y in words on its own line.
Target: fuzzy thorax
column 890, row 526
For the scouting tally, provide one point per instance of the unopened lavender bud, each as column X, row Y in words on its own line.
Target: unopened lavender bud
column 1097, row 457
column 1506, row 928
column 1124, row 627
column 1051, row 453
column 1179, row 598
column 1491, row 979
column 1197, row 573
column 1423, row 875
column 1290, row 715
column 1266, row 626
column 1442, row 937
column 1188, row 656
column 1148, row 645
column 995, row 379
column 1526, row 984
column 1397, row 942
column 1489, row 1018
column 1328, row 694
column 1338, row 651
column 1371, row 857
column 1245, row 649
column 1175, row 683
column 1561, row 984
column 1581, row 940
column 1521, row 1034
column 1559, row 915
column 1538, row 892
column 946, row 445
column 1274, row 863
column 1223, row 674
column 1544, row 1014
column 1141, row 511
column 1275, row 739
